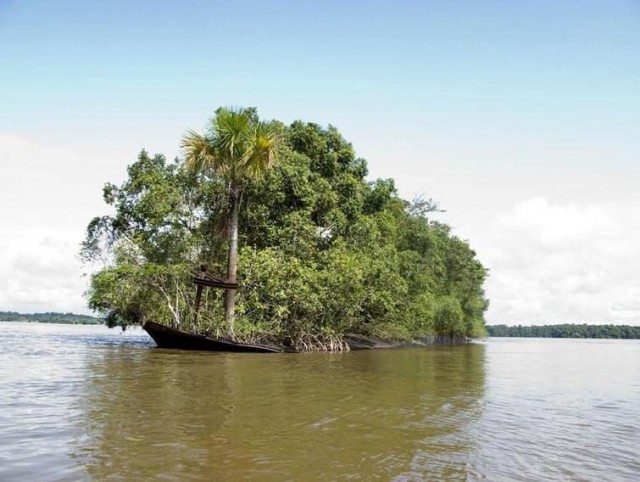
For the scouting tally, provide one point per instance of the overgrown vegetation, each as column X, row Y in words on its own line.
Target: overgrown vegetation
column 567, row 331
column 322, row 252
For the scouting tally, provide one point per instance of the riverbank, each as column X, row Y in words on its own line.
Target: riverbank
column 361, row 342
column 176, row 338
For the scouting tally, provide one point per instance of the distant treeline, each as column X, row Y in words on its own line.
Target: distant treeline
column 50, row 317
column 566, row 331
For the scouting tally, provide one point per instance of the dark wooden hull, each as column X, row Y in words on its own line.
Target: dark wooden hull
column 166, row 337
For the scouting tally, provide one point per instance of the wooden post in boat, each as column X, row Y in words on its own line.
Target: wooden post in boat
column 204, row 279
column 201, row 275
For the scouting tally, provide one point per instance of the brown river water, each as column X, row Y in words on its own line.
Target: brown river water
column 89, row 403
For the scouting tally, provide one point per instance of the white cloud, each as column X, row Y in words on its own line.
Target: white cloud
column 553, row 263
column 50, row 190
column 49, row 194
column 558, row 226
column 41, row 272
column 48, row 183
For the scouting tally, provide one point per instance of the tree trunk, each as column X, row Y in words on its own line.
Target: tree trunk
column 232, row 261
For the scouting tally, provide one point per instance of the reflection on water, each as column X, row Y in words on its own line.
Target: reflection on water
column 87, row 403
column 43, row 369
column 361, row 415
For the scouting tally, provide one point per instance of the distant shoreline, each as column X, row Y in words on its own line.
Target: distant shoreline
column 609, row 331
column 50, row 317
column 567, row 330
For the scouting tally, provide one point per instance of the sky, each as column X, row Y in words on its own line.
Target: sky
column 522, row 119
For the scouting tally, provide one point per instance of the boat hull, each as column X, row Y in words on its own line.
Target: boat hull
column 167, row 337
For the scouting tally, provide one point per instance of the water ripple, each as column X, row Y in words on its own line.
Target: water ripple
column 85, row 403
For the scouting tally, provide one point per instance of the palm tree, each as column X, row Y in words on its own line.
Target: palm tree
column 238, row 147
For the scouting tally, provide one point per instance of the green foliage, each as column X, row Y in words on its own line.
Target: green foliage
column 161, row 212
column 159, row 232
column 323, row 252
column 566, row 331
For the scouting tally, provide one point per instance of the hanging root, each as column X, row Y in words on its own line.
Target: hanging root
column 308, row 342
column 303, row 342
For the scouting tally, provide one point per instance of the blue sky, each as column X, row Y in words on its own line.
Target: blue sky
column 497, row 109
column 542, row 65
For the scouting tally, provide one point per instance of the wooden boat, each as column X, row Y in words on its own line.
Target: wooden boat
column 167, row 337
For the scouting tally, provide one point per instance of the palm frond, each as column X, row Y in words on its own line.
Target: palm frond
column 264, row 150
column 230, row 132
column 235, row 145
column 199, row 153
